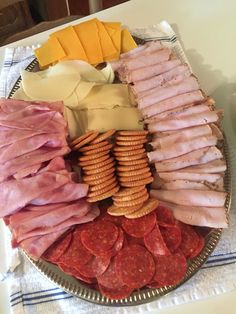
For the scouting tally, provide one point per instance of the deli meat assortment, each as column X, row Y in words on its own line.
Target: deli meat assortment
column 119, row 210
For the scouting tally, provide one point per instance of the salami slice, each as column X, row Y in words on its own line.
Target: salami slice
column 170, row 270
column 172, row 237
column 139, row 227
column 55, row 251
column 132, row 240
column 154, row 242
column 76, row 254
column 165, row 216
column 116, row 294
column 117, row 246
column 200, row 246
column 117, row 220
column 99, row 237
column 95, row 267
column 135, row 266
column 75, row 273
column 189, row 241
column 109, row 278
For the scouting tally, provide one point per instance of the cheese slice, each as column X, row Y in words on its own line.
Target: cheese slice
column 114, row 30
column 50, row 52
column 127, row 42
column 89, row 37
column 70, row 43
column 108, row 48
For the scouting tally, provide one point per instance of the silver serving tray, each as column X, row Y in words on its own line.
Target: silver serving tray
column 83, row 291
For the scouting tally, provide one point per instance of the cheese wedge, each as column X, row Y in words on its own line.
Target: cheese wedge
column 114, row 31
column 108, row 48
column 127, row 42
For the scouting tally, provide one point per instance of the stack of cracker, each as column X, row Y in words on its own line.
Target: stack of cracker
column 97, row 164
column 134, row 174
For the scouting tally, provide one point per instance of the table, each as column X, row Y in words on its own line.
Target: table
column 207, row 31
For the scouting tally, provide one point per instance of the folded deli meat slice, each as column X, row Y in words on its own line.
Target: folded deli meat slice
column 214, row 217
column 181, row 148
column 190, row 176
column 191, row 197
column 214, row 166
column 193, row 185
column 196, row 157
column 172, row 103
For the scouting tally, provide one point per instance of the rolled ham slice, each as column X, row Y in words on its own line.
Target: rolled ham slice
column 181, row 136
column 197, row 157
column 199, row 216
column 181, row 148
column 173, row 102
column 189, row 84
column 214, row 166
column 193, row 185
column 190, row 176
column 148, row 47
column 201, row 118
column 177, row 73
column 147, row 72
column 191, row 197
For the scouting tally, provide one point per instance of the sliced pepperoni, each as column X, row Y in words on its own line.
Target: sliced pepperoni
column 55, row 251
column 139, row 227
column 165, row 216
column 170, row 270
column 75, row 273
column 172, row 237
column 117, row 246
column 116, row 294
column 135, row 266
column 76, row 254
column 95, row 267
column 200, row 246
column 154, row 242
column 109, row 278
column 133, row 240
column 189, row 241
column 117, row 220
column 99, row 237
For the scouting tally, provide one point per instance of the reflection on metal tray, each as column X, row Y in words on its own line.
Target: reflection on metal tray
column 81, row 290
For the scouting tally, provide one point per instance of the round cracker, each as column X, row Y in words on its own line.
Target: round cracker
column 103, row 196
column 92, row 177
column 129, row 191
column 81, row 138
column 137, row 201
column 95, row 161
column 99, row 164
column 133, row 162
column 94, row 156
column 98, row 150
column 131, row 143
column 101, row 180
column 93, row 146
column 130, row 152
column 133, row 173
column 102, row 185
column 137, row 183
column 130, row 138
column 103, row 136
column 120, row 211
column 132, row 133
column 135, row 178
column 126, row 148
column 98, row 170
column 149, row 206
column 103, row 190
column 132, row 157
column 131, row 197
column 131, row 168
column 85, row 141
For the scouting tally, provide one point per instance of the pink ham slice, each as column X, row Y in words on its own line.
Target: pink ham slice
column 191, row 197
column 28, row 145
column 197, row 157
column 189, row 84
column 142, row 50
column 177, row 73
column 66, row 193
column 29, row 171
column 17, row 194
column 147, row 59
column 13, row 166
column 147, row 72
column 200, row 216
column 193, row 185
column 190, row 176
column 181, row 148
column 181, row 136
column 173, row 102
column 9, row 135
column 201, row 118
column 214, row 166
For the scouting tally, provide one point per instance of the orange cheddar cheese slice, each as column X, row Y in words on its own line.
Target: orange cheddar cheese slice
column 127, row 42
column 50, row 52
column 108, row 48
column 70, row 43
column 114, row 31
column 88, row 34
